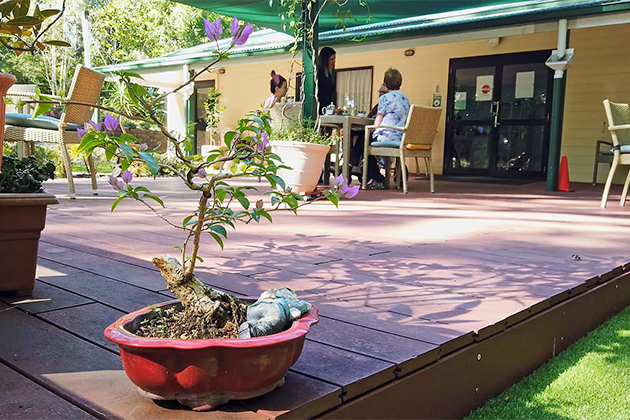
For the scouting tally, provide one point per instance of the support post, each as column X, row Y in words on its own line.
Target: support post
column 559, row 61
column 309, row 50
column 87, row 40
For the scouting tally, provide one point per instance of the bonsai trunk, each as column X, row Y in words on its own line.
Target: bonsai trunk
column 211, row 306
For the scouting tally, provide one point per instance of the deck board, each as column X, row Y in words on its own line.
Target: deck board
column 400, row 280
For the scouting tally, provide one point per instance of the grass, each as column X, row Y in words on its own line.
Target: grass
column 103, row 168
column 590, row 380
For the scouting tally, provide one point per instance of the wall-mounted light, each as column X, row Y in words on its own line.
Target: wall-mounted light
column 221, row 71
column 409, row 52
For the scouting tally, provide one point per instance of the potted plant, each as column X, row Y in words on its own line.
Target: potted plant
column 208, row 347
column 23, row 203
column 23, row 206
column 303, row 148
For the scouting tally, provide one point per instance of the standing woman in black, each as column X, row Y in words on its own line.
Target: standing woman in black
column 326, row 78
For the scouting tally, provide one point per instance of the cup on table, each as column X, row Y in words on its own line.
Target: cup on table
column 361, row 114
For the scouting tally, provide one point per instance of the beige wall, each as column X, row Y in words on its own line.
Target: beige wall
column 600, row 70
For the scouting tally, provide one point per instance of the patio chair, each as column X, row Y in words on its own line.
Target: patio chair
column 602, row 156
column 417, row 141
column 619, row 126
column 86, row 87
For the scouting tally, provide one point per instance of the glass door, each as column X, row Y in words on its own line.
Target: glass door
column 498, row 116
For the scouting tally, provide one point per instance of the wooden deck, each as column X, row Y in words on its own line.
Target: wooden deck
column 401, row 281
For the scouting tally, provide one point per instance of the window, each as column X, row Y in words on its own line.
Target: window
column 356, row 83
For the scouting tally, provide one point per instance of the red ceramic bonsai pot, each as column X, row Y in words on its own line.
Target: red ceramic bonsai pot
column 203, row 374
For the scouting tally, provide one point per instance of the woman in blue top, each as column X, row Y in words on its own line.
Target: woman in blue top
column 393, row 108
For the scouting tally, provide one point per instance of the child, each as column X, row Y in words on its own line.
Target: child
column 279, row 87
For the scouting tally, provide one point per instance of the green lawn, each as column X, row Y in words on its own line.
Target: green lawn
column 103, row 168
column 590, row 380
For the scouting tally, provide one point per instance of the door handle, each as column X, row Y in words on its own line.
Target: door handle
column 495, row 112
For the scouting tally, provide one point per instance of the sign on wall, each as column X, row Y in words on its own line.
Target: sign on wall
column 460, row 101
column 484, row 88
column 525, row 81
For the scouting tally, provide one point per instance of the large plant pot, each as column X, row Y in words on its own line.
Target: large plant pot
column 6, row 81
column 22, row 218
column 306, row 161
column 203, row 374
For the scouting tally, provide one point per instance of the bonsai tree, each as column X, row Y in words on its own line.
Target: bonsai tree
column 221, row 205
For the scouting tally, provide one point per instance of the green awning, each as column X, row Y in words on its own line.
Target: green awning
column 386, row 11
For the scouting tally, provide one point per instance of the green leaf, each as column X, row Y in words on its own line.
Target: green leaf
column 242, row 199
column 334, row 198
column 126, row 149
column 264, row 214
column 177, row 248
column 276, row 180
column 155, row 198
column 199, row 258
column 118, row 200
column 6, row 7
column 229, row 136
column 220, row 194
column 49, row 12
column 110, row 151
column 187, row 219
column 41, row 109
column 217, row 238
column 143, row 189
column 57, row 43
column 154, row 166
column 24, row 21
column 219, row 229
column 256, row 216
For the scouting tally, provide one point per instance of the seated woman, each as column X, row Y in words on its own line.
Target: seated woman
column 392, row 110
column 279, row 87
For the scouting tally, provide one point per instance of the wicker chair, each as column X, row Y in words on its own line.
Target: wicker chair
column 619, row 126
column 417, row 141
column 86, row 87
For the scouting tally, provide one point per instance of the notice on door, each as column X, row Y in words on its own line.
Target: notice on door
column 460, row 101
column 525, row 84
column 484, row 88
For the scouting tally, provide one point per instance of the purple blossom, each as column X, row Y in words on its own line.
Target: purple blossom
column 213, row 30
column 99, row 126
column 201, row 173
column 350, row 192
column 142, row 147
column 116, row 183
column 240, row 33
column 126, row 176
column 264, row 141
column 81, row 132
column 340, row 181
column 111, row 123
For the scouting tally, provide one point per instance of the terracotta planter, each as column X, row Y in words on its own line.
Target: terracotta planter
column 306, row 161
column 203, row 374
column 6, row 81
column 22, row 218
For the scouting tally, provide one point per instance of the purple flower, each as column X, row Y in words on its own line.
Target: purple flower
column 213, row 30
column 99, row 126
column 239, row 33
column 116, row 183
column 142, row 147
column 264, row 141
column 81, row 132
column 340, row 181
column 126, row 176
column 350, row 192
column 111, row 123
column 201, row 173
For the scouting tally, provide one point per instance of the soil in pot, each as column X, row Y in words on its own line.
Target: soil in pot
column 179, row 323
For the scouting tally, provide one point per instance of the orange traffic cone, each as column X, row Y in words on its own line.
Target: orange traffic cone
column 563, row 176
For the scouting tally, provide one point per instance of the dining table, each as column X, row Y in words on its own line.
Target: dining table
column 346, row 123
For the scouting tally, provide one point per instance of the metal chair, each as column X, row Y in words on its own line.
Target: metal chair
column 619, row 126
column 417, row 141
column 85, row 88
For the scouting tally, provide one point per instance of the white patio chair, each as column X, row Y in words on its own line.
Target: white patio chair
column 417, row 141
column 86, row 88
column 619, row 126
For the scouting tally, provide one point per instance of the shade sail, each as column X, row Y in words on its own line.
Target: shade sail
column 379, row 11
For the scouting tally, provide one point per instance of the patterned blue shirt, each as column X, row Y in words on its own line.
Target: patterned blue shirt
column 394, row 105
